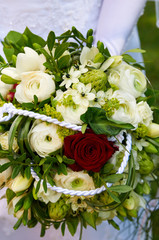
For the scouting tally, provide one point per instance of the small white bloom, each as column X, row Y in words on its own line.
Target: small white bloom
column 4, row 142
column 128, row 79
column 5, row 88
column 77, row 202
column 72, row 111
column 141, row 143
column 145, row 113
column 5, row 175
column 43, row 138
column 87, row 56
column 83, row 69
column 49, row 196
column 85, row 94
column 71, row 77
column 34, row 83
column 74, row 181
column 99, row 99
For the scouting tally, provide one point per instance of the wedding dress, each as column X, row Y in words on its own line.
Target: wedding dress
column 113, row 22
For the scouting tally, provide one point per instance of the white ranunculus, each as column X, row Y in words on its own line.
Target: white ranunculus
column 127, row 111
column 5, row 88
column 129, row 79
column 4, row 142
column 26, row 62
column 30, row 61
column 34, row 83
column 69, row 112
column 49, row 196
column 19, row 183
column 5, row 174
column 145, row 113
column 87, row 56
column 74, row 181
column 43, row 138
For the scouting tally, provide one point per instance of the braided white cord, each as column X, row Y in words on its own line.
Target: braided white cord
column 97, row 190
column 11, row 110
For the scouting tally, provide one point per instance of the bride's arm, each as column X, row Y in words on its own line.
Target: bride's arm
column 116, row 20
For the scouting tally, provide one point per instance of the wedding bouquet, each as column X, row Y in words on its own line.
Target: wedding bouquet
column 78, row 139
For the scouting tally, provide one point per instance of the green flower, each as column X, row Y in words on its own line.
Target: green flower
column 58, row 210
column 145, row 164
column 96, row 77
column 50, row 111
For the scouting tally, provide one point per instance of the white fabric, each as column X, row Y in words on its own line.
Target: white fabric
column 116, row 20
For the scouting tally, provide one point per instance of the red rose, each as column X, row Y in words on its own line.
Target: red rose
column 89, row 150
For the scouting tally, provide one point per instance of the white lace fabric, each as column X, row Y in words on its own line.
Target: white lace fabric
column 42, row 16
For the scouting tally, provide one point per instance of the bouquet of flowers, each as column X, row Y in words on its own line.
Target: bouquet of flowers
column 78, row 139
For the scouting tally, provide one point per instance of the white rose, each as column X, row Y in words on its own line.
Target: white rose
column 127, row 111
column 49, row 196
column 4, row 142
column 75, row 181
column 71, row 113
column 26, row 62
column 129, row 79
column 34, row 83
column 19, row 183
column 5, row 88
column 43, row 138
column 87, row 56
column 145, row 113
column 5, row 174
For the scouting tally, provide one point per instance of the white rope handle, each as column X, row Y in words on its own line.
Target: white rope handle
column 11, row 110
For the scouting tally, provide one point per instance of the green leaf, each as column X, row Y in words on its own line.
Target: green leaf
column 35, row 100
column 27, row 172
column 63, row 226
column 84, row 127
column 8, row 80
column 64, row 62
column 37, row 187
column 114, row 224
column 135, row 50
column 62, row 169
column 45, row 185
column 27, row 202
column 51, row 40
column 50, row 180
column 33, row 38
column 5, row 166
column 8, row 53
column 68, row 160
column 72, row 224
column 108, row 167
column 13, row 37
column 98, row 122
column 19, row 205
column 10, row 195
column 90, row 218
column 16, row 171
column 45, row 53
column 43, row 229
column 13, row 130
column 114, row 197
column 61, row 49
column 121, row 188
column 128, row 58
column 18, row 223
column 113, row 178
